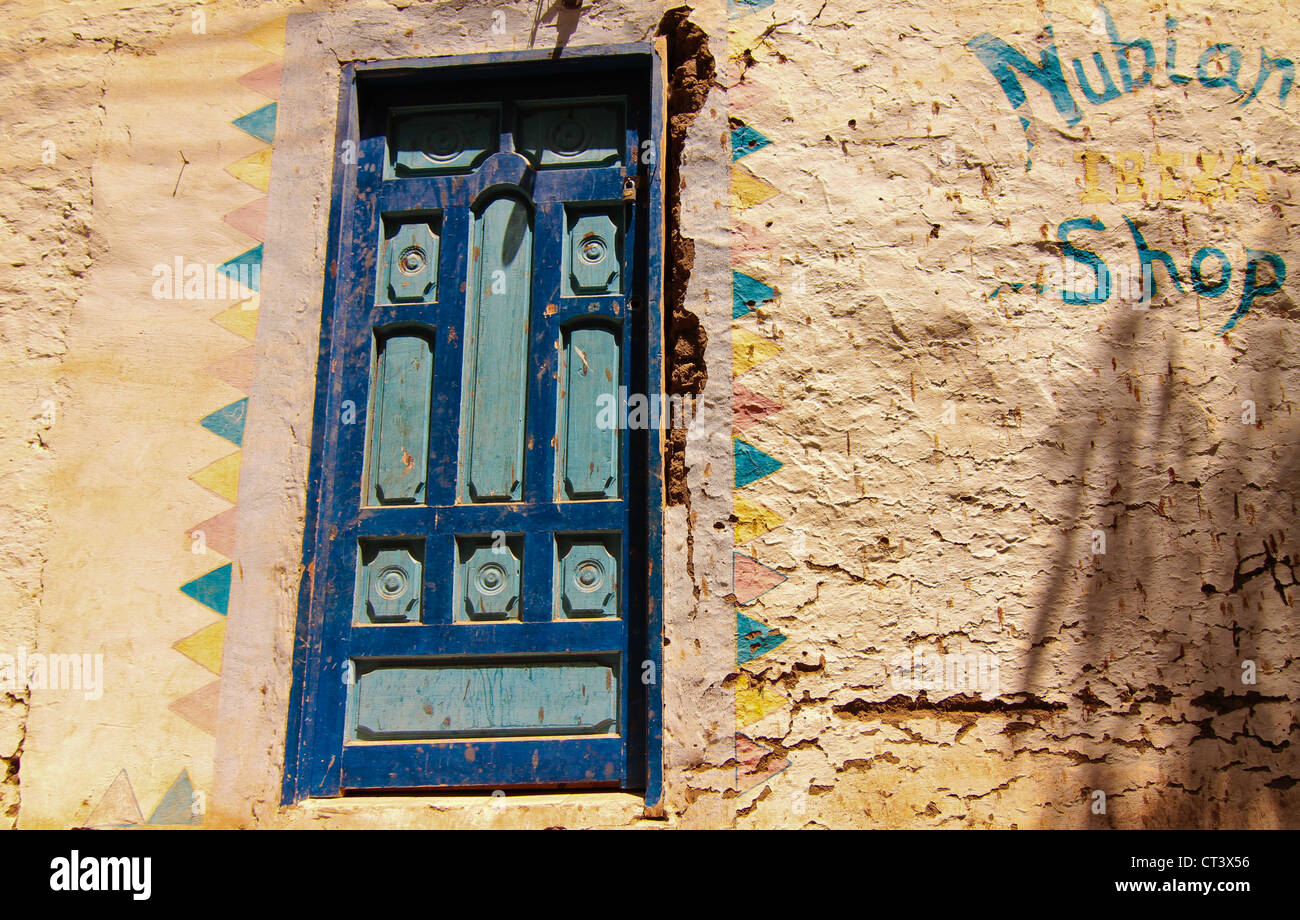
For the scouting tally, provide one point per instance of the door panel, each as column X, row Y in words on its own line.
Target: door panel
column 475, row 597
column 473, row 701
column 589, row 369
column 493, row 399
column 399, row 445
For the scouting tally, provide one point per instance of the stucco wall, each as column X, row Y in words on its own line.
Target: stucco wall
column 953, row 433
column 939, row 459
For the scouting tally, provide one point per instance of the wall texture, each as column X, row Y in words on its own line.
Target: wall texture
column 978, row 529
column 1090, row 503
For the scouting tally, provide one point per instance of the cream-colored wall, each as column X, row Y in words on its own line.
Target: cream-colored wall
column 131, row 96
column 950, row 436
column 902, row 188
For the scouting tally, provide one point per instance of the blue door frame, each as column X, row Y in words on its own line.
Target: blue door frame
column 330, row 647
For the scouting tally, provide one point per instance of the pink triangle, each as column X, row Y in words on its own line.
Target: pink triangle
column 749, row 408
column 748, row 242
column 118, row 807
column 218, row 533
column 264, row 80
column 236, row 369
column 250, row 219
column 749, row 757
column 200, row 707
column 750, row 579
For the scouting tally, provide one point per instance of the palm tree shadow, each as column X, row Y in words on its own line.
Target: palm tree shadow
column 1137, row 635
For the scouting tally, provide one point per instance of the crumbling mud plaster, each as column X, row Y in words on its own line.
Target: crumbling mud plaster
column 690, row 78
column 54, row 79
column 964, row 535
column 1036, row 542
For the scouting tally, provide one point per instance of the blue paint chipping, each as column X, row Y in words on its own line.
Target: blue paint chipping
column 745, row 140
column 246, row 268
column 748, row 292
column 752, row 464
column 1002, row 61
column 259, row 123
column 177, row 805
column 211, row 590
column 1008, row 66
column 228, row 421
column 738, row 8
column 754, row 639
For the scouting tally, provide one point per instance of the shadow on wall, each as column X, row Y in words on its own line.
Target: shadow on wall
column 565, row 13
column 1158, row 635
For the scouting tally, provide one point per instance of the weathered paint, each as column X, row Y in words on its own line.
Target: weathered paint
column 588, row 576
column 589, row 452
column 459, row 701
column 442, row 139
column 399, row 444
column 977, row 511
column 571, row 132
column 488, row 579
column 593, row 258
column 496, row 336
column 534, row 577
column 389, row 585
column 410, row 262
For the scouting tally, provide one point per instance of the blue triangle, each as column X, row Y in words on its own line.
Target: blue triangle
column 211, row 590
column 744, row 7
column 177, row 805
column 744, row 141
column 259, row 123
column 228, row 422
column 752, row 464
column 746, row 292
column 246, row 268
column 754, row 639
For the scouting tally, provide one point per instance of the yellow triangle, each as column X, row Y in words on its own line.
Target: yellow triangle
column 749, row 349
column 743, row 38
column 255, row 169
column 221, row 477
column 753, row 520
column 241, row 319
column 755, row 700
column 204, row 647
column 268, row 36
column 747, row 189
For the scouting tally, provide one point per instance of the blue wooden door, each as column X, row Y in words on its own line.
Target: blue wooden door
column 477, row 613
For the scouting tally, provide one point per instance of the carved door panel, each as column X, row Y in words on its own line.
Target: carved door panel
column 479, row 590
